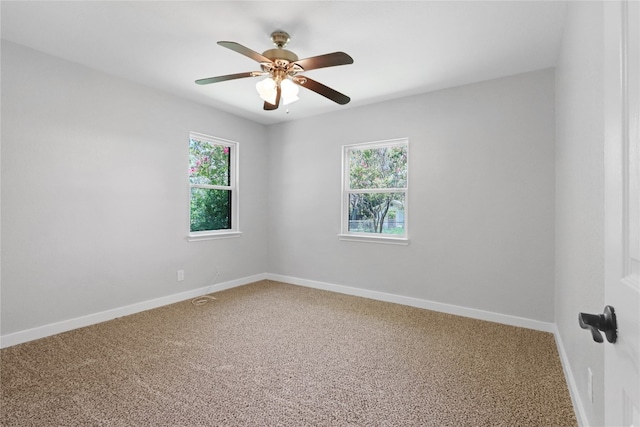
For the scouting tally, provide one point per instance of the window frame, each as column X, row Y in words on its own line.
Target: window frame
column 234, row 231
column 346, row 190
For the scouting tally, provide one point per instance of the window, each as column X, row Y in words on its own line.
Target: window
column 374, row 191
column 213, row 187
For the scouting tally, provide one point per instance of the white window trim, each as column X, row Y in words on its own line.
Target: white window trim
column 234, row 231
column 366, row 238
column 344, row 205
column 198, row 236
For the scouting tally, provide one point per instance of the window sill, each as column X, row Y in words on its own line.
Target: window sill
column 196, row 237
column 374, row 239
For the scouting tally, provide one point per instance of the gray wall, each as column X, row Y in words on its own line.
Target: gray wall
column 95, row 200
column 481, row 205
column 580, row 196
column 95, row 195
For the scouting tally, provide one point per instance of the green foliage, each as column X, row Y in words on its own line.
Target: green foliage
column 209, row 165
column 384, row 167
column 367, row 212
column 210, row 209
column 375, row 168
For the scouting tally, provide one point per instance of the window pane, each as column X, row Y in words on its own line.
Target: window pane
column 384, row 167
column 209, row 163
column 210, row 209
column 376, row 213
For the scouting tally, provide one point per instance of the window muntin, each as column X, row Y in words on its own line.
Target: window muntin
column 375, row 186
column 213, row 185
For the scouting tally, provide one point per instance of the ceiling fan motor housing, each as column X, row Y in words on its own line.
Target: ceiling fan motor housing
column 281, row 56
column 279, row 53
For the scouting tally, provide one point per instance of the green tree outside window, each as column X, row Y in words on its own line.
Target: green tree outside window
column 377, row 189
column 210, row 182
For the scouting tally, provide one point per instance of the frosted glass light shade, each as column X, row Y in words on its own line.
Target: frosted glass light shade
column 267, row 90
column 289, row 91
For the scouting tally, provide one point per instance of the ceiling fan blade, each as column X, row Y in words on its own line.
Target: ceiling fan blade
column 323, row 90
column 245, row 51
column 322, row 61
column 268, row 106
column 228, row 77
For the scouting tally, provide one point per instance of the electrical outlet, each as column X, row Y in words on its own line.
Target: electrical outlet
column 590, row 384
column 180, row 275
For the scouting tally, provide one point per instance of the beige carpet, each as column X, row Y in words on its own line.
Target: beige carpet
column 273, row 354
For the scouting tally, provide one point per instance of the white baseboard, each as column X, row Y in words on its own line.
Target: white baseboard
column 91, row 319
column 581, row 415
column 420, row 303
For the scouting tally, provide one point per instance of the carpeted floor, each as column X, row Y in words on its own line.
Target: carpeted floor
column 273, row 354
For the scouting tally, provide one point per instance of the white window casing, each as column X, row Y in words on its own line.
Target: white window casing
column 233, row 188
column 399, row 236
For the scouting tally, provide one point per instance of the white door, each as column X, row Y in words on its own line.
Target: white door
column 622, row 209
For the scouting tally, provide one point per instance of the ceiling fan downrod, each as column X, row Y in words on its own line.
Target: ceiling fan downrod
column 280, row 38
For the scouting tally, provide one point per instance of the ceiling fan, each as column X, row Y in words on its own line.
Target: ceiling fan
column 284, row 68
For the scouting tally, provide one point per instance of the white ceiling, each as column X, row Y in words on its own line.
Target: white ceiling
column 399, row 48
